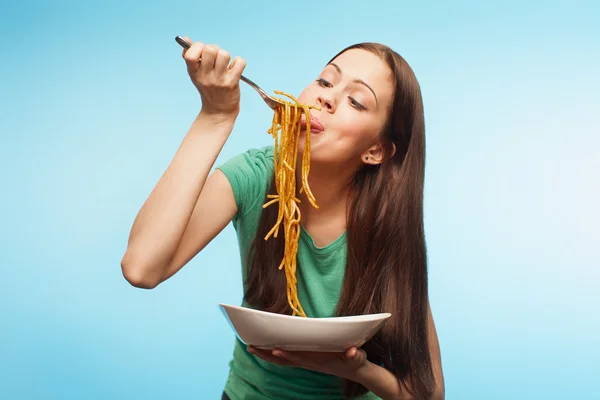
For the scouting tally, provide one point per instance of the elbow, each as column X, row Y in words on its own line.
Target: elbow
column 440, row 390
column 136, row 274
column 439, row 394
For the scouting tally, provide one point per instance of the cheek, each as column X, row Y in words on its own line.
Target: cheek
column 356, row 129
column 306, row 96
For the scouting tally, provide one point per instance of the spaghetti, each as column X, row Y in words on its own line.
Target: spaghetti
column 285, row 129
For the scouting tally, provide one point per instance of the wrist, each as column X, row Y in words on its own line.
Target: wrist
column 211, row 127
column 217, row 119
column 363, row 373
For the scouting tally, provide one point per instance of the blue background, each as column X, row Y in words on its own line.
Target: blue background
column 95, row 100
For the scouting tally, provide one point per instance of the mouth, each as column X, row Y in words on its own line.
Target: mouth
column 315, row 124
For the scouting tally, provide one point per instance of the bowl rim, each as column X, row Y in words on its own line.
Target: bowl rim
column 335, row 320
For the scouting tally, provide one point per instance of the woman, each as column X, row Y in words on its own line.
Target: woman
column 362, row 251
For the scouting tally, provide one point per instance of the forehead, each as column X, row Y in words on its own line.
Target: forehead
column 365, row 65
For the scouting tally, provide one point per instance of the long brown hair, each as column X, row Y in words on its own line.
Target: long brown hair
column 386, row 267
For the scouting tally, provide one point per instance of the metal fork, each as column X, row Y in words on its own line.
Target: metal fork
column 271, row 101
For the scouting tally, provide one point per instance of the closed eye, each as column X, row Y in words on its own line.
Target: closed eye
column 356, row 104
column 323, row 82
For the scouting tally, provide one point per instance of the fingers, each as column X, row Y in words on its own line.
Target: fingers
column 218, row 86
column 209, row 55
column 192, row 56
column 269, row 356
column 351, row 352
column 207, row 58
column 285, row 354
column 356, row 356
column 237, row 68
column 222, row 61
column 218, row 61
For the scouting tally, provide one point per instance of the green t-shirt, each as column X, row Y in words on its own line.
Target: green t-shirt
column 320, row 271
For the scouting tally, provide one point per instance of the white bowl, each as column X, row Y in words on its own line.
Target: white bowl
column 266, row 330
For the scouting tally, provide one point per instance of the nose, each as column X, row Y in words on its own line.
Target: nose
column 326, row 101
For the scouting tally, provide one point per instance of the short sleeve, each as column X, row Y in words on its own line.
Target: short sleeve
column 249, row 175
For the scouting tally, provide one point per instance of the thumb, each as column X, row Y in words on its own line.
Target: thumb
column 356, row 355
column 351, row 353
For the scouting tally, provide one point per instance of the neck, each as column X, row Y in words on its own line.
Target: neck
column 330, row 189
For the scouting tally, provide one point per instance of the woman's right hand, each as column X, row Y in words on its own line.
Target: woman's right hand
column 216, row 79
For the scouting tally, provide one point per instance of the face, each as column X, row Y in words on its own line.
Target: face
column 354, row 93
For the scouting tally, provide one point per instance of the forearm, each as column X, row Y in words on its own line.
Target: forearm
column 384, row 384
column 161, row 222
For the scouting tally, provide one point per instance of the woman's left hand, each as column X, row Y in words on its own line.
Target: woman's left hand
column 344, row 364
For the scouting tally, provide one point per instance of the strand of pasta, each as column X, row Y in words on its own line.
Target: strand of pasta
column 285, row 129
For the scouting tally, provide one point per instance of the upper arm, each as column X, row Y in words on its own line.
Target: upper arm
column 215, row 208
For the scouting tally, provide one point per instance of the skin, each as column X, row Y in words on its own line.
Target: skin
column 352, row 115
column 354, row 93
column 188, row 207
column 353, row 365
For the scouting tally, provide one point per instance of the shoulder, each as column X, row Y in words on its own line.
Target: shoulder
column 249, row 174
column 250, row 160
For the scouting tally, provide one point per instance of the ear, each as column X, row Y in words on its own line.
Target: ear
column 374, row 154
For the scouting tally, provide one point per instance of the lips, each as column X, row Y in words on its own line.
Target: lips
column 315, row 124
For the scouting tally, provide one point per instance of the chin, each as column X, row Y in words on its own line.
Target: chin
column 315, row 145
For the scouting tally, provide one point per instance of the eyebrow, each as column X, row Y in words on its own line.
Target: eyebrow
column 357, row 81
